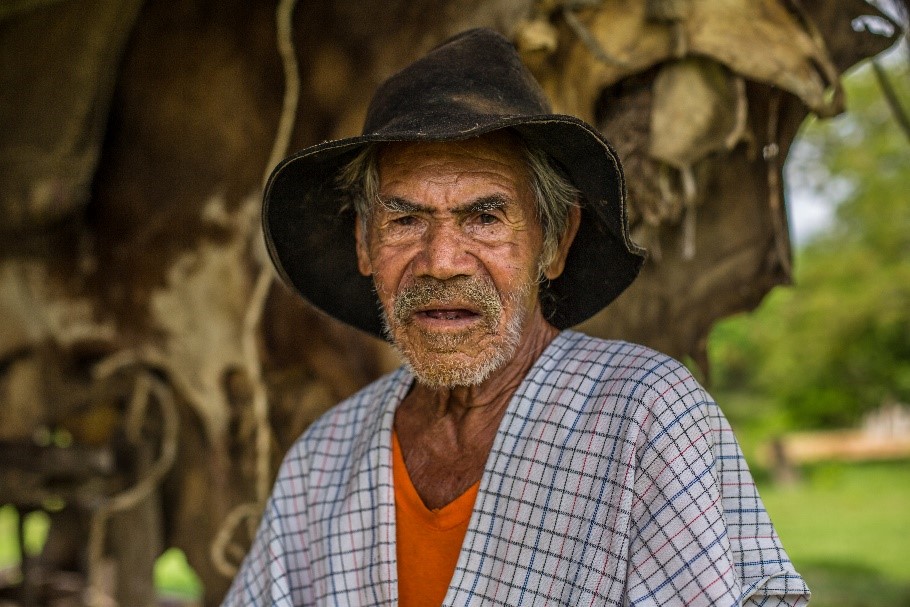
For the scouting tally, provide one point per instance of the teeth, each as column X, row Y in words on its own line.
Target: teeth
column 447, row 314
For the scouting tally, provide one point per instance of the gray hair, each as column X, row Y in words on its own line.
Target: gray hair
column 553, row 192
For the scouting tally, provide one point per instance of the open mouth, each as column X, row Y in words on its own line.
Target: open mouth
column 446, row 317
column 452, row 306
column 445, row 314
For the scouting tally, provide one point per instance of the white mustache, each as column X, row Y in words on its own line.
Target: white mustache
column 463, row 290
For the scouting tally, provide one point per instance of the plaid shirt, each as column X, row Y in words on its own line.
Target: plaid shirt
column 614, row 480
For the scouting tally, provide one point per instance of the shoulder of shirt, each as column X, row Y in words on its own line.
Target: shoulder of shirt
column 637, row 371
column 624, row 359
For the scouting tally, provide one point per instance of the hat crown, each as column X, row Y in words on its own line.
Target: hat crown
column 461, row 84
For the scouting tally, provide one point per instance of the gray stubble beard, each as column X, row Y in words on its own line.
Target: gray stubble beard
column 477, row 291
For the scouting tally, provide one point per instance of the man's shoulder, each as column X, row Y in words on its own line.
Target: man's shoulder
column 621, row 358
column 344, row 434
column 633, row 369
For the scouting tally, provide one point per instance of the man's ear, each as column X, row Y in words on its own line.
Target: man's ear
column 363, row 255
column 555, row 268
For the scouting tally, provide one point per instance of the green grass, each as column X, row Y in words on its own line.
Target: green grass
column 845, row 526
column 847, row 529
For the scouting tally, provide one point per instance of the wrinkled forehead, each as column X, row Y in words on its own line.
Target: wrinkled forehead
column 501, row 152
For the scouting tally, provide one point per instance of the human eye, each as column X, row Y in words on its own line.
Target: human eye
column 486, row 225
column 402, row 225
column 487, row 213
column 404, row 220
column 485, row 218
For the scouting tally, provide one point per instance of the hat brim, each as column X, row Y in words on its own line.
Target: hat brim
column 309, row 231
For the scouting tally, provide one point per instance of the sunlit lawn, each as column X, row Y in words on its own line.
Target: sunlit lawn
column 847, row 529
column 845, row 526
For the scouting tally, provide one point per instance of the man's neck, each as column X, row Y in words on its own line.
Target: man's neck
column 446, row 434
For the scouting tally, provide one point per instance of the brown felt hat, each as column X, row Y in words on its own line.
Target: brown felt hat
column 472, row 84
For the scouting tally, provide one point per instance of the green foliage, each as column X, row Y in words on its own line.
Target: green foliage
column 35, row 528
column 9, row 531
column 838, row 343
column 174, row 576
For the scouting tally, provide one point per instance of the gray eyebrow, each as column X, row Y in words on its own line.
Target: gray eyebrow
column 494, row 202
column 394, row 204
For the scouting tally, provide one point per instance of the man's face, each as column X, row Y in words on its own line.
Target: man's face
column 453, row 245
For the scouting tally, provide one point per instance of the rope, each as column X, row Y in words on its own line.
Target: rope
column 222, row 543
column 260, row 398
column 285, row 42
column 251, row 511
column 900, row 114
column 146, row 385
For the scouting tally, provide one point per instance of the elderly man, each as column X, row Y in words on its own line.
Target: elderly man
column 510, row 461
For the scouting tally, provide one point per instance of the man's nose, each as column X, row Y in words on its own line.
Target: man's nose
column 444, row 252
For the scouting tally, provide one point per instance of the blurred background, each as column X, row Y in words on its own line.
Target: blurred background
column 821, row 370
column 153, row 371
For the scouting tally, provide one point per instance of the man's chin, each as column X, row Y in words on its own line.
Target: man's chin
column 440, row 374
column 442, row 343
column 449, row 362
column 452, row 357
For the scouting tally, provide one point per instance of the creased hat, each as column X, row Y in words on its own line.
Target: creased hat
column 472, row 84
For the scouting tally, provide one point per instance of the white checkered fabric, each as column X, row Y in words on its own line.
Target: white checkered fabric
column 614, row 480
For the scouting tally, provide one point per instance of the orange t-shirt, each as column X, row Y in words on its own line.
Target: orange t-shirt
column 428, row 542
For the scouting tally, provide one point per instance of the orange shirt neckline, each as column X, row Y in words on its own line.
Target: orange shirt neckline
column 456, row 512
column 428, row 542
